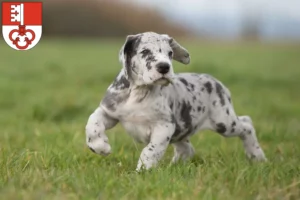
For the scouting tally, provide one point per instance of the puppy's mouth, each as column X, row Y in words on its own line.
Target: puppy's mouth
column 163, row 81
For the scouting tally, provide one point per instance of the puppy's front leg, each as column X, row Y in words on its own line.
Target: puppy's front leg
column 96, row 138
column 154, row 151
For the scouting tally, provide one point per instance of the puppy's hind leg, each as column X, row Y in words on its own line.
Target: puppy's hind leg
column 224, row 121
column 183, row 150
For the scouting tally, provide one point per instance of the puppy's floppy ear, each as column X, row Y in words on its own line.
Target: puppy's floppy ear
column 128, row 43
column 127, row 51
column 180, row 54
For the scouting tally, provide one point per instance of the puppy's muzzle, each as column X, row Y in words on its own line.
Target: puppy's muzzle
column 163, row 67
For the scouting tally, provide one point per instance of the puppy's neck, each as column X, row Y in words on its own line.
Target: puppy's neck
column 123, row 83
column 124, row 86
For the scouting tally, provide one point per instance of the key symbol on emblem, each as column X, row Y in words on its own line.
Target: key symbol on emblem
column 17, row 13
column 21, row 24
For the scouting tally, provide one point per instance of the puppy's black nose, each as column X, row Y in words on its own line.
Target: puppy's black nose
column 163, row 68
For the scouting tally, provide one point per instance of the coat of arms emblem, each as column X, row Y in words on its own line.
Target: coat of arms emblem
column 22, row 24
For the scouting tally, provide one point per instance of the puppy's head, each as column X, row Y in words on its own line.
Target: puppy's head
column 147, row 58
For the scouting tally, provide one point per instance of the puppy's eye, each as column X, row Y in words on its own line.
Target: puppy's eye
column 145, row 51
column 170, row 54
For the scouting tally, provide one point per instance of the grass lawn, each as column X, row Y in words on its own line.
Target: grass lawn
column 47, row 94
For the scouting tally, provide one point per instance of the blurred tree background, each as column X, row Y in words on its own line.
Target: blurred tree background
column 236, row 20
column 104, row 18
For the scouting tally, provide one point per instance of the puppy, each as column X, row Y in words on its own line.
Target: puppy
column 158, row 107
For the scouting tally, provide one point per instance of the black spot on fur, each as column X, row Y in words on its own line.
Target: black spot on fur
column 177, row 130
column 176, row 133
column 168, row 139
column 202, row 89
column 90, row 139
column 227, row 111
column 229, row 99
column 203, row 109
column 178, row 104
column 249, row 132
column 183, row 81
column 150, row 149
column 199, row 108
column 188, row 132
column 148, row 65
column 192, row 86
column 130, row 51
column 171, row 105
column 208, row 87
column 220, row 128
column 185, row 114
column 220, row 93
column 111, row 99
column 186, row 118
column 159, row 50
column 122, row 83
column 232, row 130
column 149, row 59
column 233, row 124
column 214, row 103
column 189, row 86
column 194, row 98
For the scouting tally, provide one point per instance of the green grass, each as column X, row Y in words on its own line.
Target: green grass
column 48, row 93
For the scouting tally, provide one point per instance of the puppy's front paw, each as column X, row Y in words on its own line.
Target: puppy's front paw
column 257, row 157
column 99, row 146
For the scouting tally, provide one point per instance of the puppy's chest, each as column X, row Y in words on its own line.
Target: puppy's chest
column 138, row 118
column 137, row 113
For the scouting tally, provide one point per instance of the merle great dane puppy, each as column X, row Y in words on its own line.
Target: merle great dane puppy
column 158, row 107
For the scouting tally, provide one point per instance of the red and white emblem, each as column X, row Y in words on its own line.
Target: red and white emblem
column 22, row 24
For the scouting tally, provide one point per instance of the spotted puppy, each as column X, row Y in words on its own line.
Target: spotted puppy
column 158, row 107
